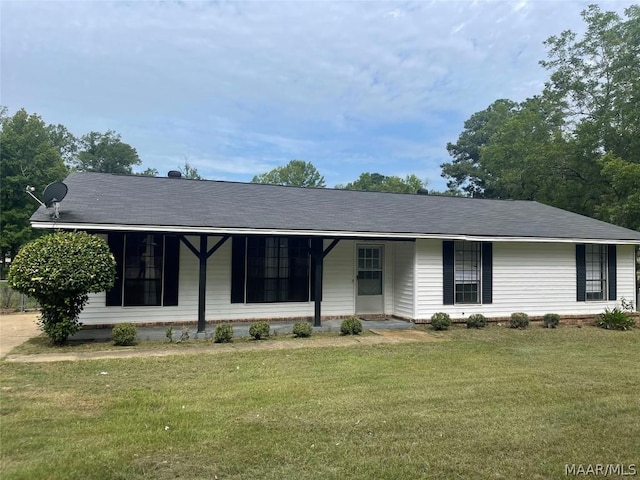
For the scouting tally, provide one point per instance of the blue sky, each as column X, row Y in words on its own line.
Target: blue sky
column 238, row 88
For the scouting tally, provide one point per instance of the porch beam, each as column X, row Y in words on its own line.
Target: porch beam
column 189, row 245
column 202, row 283
column 213, row 249
column 203, row 255
column 330, row 247
column 317, row 255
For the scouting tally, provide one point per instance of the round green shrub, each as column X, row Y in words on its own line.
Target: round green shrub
column 59, row 271
column 477, row 320
column 351, row 326
column 124, row 334
column 440, row 321
column 550, row 320
column 223, row 333
column 519, row 320
column 259, row 330
column 302, row 329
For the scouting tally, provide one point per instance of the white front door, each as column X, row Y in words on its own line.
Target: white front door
column 370, row 279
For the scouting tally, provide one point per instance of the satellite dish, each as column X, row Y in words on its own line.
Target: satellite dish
column 54, row 193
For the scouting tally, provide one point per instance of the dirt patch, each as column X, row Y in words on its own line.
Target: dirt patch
column 379, row 337
column 407, row 335
column 17, row 328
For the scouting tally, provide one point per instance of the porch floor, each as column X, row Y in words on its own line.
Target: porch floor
column 239, row 329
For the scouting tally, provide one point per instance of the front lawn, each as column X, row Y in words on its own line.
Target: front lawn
column 494, row 403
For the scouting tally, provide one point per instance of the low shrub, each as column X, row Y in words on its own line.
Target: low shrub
column 223, row 333
column 477, row 320
column 302, row 329
column 440, row 321
column 124, row 334
column 259, row 330
column 519, row 320
column 168, row 332
column 551, row 320
column 615, row 318
column 351, row 326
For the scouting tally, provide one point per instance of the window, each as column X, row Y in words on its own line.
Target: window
column 596, row 272
column 370, row 270
column 277, row 269
column 146, row 270
column 467, row 272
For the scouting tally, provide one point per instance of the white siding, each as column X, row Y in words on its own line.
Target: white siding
column 535, row 278
column 96, row 313
column 338, row 298
column 339, row 280
column 403, row 276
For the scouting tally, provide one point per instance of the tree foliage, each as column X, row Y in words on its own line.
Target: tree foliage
column 105, row 153
column 577, row 144
column 376, row 182
column 60, row 270
column 31, row 154
column 189, row 171
column 296, row 173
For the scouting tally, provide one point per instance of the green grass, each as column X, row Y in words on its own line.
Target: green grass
column 494, row 403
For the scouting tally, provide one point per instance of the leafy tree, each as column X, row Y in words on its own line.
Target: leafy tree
column 60, row 270
column 30, row 155
column 376, row 182
column 189, row 171
column 149, row 172
column 466, row 171
column 296, row 173
column 106, row 153
column 574, row 146
column 622, row 204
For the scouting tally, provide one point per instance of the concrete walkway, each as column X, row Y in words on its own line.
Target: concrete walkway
column 17, row 328
column 239, row 330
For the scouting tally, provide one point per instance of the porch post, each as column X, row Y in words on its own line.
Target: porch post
column 202, row 284
column 317, row 256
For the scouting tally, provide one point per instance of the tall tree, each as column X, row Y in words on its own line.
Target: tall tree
column 30, row 155
column 296, row 173
column 376, row 182
column 574, row 144
column 467, row 171
column 106, row 153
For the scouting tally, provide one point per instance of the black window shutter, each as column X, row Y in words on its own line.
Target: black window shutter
column 116, row 245
column 448, row 260
column 613, row 269
column 171, row 270
column 487, row 272
column 581, row 272
column 238, row 254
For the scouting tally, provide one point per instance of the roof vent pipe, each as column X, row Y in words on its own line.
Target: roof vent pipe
column 174, row 174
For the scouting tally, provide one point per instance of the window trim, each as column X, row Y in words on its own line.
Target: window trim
column 609, row 278
column 240, row 276
column 599, row 267
column 118, row 244
column 476, row 250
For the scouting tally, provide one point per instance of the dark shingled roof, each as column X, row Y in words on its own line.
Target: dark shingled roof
column 109, row 200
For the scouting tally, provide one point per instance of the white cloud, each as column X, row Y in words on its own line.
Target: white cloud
column 242, row 86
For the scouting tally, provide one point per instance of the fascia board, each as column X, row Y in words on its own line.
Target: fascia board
column 322, row 233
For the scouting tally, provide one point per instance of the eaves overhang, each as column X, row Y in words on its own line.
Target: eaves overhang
column 374, row 235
